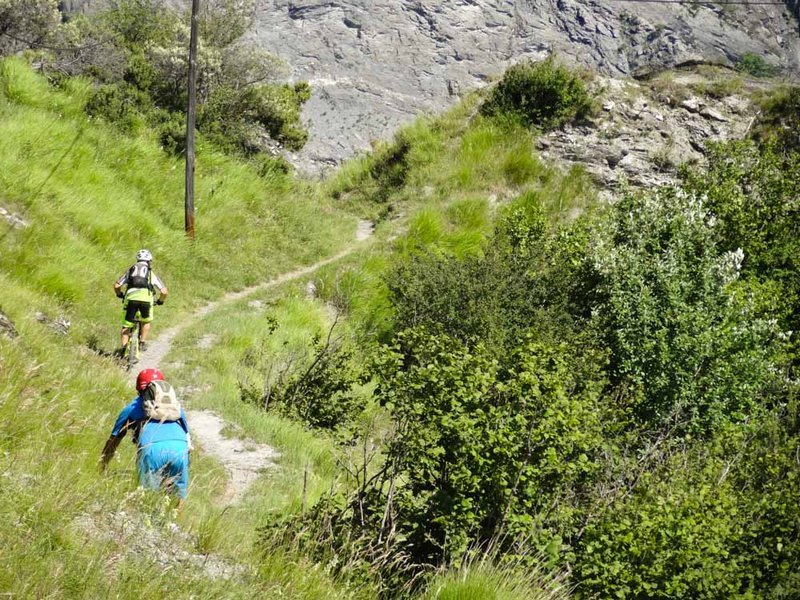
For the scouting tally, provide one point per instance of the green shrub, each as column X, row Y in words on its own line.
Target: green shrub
column 143, row 66
column 780, row 118
column 716, row 520
column 315, row 385
column 479, row 442
column 26, row 24
column 239, row 120
column 171, row 132
column 121, row 103
column 691, row 354
column 541, row 94
column 755, row 65
column 752, row 190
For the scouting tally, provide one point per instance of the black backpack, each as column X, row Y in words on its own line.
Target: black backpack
column 139, row 276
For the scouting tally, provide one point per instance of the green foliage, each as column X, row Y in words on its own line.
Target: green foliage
column 689, row 355
column 485, row 450
column 780, row 118
column 26, row 24
column 469, row 299
column 138, row 22
column 752, row 191
column 318, row 390
column 714, row 521
column 235, row 119
column 519, row 279
column 542, row 94
column 755, row 65
column 672, row 539
column 224, row 22
column 382, row 174
column 122, row 103
column 142, row 75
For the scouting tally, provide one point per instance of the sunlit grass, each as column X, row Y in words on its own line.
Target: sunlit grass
column 92, row 197
column 487, row 578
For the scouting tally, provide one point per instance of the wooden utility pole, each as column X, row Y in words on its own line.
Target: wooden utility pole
column 190, row 120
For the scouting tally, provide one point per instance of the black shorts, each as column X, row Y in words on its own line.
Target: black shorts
column 134, row 306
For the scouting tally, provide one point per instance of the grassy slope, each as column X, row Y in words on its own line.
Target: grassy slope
column 458, row 171
column 91, row 198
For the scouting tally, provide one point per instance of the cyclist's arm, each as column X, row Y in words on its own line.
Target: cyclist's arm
column 119, row 283
column 108, row 450
column 162, row 289
column 128, row 418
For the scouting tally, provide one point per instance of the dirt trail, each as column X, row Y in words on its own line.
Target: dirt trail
column 243, row 460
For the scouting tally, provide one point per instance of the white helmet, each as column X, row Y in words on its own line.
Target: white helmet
column 144, row 255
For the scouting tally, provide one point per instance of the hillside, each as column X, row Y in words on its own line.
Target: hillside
column 78, row 198
column 376, row 65
column 562, row 365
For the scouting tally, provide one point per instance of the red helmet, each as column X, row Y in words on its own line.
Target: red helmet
column 145, row 377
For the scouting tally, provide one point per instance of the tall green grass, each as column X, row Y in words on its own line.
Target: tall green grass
column 92, row 198
column 490, row 580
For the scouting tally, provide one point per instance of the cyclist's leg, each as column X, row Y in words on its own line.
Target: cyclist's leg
column 165, row 465
column 150, row 464
column 128, row 315
column 146, row 310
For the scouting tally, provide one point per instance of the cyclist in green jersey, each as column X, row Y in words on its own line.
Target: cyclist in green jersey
column 139, row 289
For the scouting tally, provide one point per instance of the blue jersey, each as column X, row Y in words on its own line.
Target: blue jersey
column 147, row 432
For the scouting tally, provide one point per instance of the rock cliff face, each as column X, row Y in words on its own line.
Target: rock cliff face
column 376, row 64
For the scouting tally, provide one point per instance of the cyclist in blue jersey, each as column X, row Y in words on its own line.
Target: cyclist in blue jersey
column 163, row 446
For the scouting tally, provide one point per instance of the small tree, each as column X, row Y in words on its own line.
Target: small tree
column 690, row 351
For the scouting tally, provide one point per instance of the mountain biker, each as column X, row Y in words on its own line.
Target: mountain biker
column 140, row 285
column 162, row 446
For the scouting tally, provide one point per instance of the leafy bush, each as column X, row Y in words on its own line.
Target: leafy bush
column 541, row 94
column 752, row 191
column 715, row 520
column 121, row 103
column 755, row 65
column 524, row 277
column 243, row 119
column 690, row 354
column 143, row 68
column 478, row 443
column 317, row 388
column 26, row 24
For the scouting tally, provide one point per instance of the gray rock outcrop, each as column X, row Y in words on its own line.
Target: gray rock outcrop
column 376, row 64
column 7, row 326
column 642, row 135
